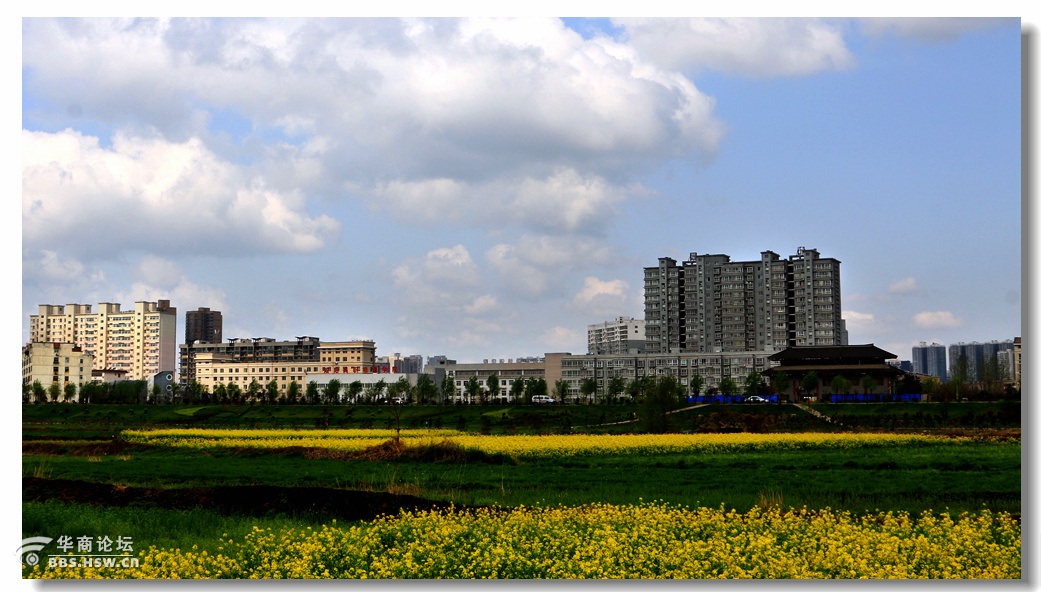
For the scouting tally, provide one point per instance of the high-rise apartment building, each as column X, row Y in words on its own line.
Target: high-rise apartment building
column 930, row 359
column 623, row 335
column 140, row 342
column 712, row 304
column 203, row 325
column 978, row 361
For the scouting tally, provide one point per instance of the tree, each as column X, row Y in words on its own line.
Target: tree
column 534, row 387
column 639, row 386
column 615, row 388
column 517, row 389
column 354, row 390
column 271, row 390
column 399, row 389
column 91, row 391
column 175, row 391
column 727, row 386
column 810, row 382
column 494, row 388
column 869, row 384
column 697, row 382
column 234, row 393
column 39, row 393
column 253, row 390
column 560, row 389
column 54, row 391
column 753, row 383
column 448, row 389
column 426, row 391
column 841, row 385
column 960, row 374
column 332, row 391
column 472, row 388
column 781, row 382
column 293, row 393
column 375, row 390
column 588, row 388
column 220, row 393
column 311, row 392
column 70, row 391
column 660, row 398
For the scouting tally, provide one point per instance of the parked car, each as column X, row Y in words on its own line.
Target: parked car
column 756, row 399
column 542, row 399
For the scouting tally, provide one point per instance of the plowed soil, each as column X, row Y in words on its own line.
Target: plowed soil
column 249, row 500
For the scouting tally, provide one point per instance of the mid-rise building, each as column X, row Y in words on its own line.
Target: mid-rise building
column 203, row 325
column 61, row 363
column 712, row 304
column 930, row 359
column 141, row 342
column 243, row 361
column 623, row 335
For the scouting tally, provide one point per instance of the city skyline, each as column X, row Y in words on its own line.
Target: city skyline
column 489, row 188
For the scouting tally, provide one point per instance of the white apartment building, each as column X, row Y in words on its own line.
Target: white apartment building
column 142, row 342
column 623, row 335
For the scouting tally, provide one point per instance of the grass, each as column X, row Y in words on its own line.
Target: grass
column 956, row 476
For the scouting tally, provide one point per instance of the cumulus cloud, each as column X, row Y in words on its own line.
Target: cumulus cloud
column 748, row 46
column 156, row 278
column 937, row 319
column 443, row 279
column 858, row 321
column 538, row 264
column 907, row 285
column 158, row 195
column 48, row 265
column 454, row 98
column 929, row 29
column 603, row 298
column 558, row 338
column 566, row 201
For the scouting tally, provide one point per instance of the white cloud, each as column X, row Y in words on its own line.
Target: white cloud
column 156, row 278
column 538, row 265
column 384, row 100
column 929, row 29
column 558, row 338
column 50, row 266
column 760, row 47
column 907, row 285
column 938, row 319
column 442, row 280
column 157, row 195
column 602, row 298
column 858, row 321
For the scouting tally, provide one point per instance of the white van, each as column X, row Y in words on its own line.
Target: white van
column 542, row 399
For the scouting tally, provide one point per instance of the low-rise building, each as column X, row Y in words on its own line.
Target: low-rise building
column 61, row 363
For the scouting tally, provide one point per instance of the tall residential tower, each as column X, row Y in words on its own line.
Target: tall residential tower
column 142, row 342
column 712, row 304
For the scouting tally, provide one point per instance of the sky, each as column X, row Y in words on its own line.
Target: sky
column 486, row 188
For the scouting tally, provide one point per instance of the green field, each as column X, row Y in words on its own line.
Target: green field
column 82, row 444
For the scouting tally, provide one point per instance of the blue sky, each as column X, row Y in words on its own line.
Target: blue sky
column 488, row 188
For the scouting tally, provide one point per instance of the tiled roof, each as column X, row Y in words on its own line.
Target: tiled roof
column 832, row 353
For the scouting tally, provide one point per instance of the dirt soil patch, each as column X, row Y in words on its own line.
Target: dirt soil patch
column 247, row 500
